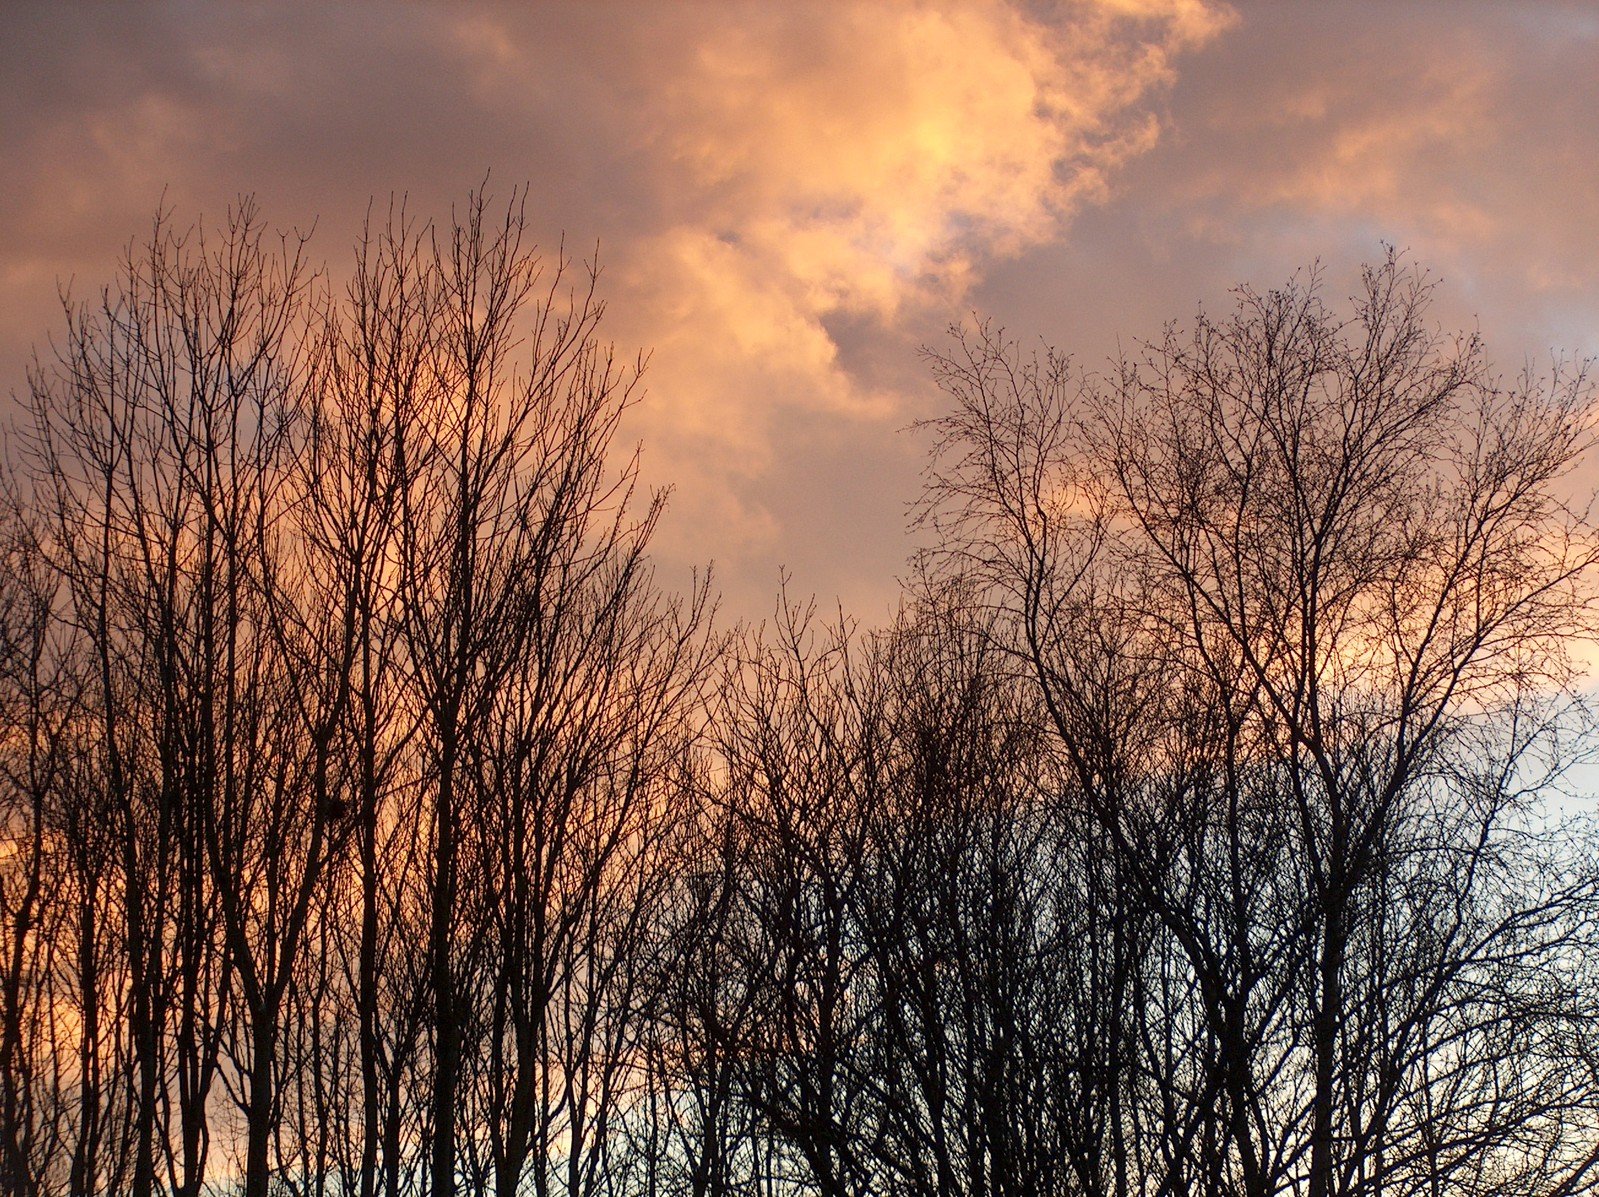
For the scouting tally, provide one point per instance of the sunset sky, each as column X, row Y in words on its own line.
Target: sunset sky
column 790, row 199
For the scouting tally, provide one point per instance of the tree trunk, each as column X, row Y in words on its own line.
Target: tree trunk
column 258, row 1115
column 445, row 1016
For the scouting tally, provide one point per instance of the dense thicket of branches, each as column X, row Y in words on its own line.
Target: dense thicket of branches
column 375, row 824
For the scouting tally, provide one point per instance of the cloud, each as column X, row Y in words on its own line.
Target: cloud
column 790, row 197
column 862, row 161
column 787, row 195
column 1464, row 132
column 1385, row 136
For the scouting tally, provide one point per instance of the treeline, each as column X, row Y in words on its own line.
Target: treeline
column 375, row 823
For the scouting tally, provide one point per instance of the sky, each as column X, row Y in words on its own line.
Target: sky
column 792, row 200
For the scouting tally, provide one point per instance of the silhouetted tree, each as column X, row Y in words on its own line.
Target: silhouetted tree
column 1298, row 593
column 372, row 821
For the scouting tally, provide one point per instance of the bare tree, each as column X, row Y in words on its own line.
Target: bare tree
column 372, row 820
column 795, row 739
column 371, row 393
column 39, row 681
column 1298, row 593
column 165, row 439
column 552, row 678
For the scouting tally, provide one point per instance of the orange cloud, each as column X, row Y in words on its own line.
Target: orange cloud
column 790, row 196
column 858, row 160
